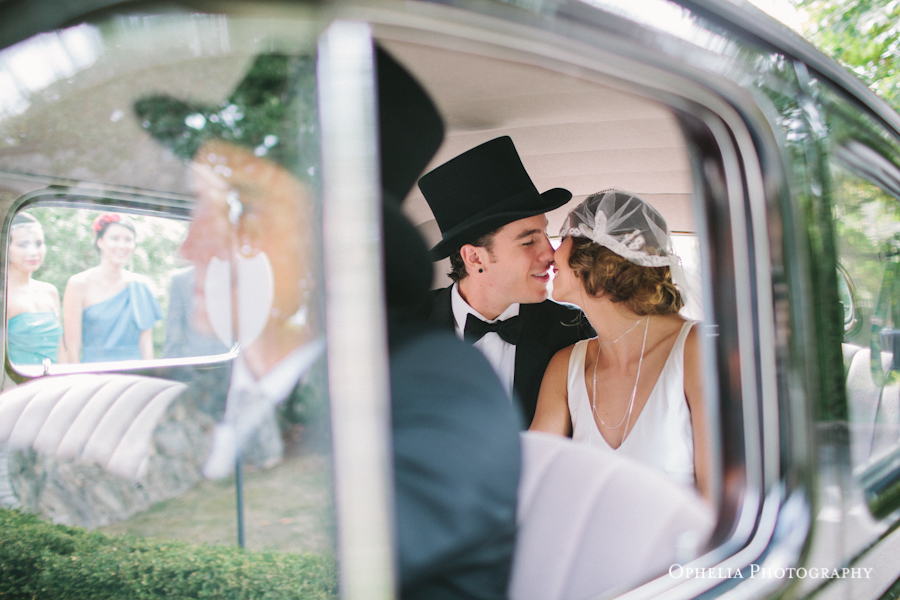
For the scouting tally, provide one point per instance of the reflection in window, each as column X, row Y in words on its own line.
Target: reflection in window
column 104, row 278
column 190, row 443
column 34, row 330
column 867, row 226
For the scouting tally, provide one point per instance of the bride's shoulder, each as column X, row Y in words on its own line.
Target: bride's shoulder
column 561, row 358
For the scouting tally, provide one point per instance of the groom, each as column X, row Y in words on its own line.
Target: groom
column 493, row 228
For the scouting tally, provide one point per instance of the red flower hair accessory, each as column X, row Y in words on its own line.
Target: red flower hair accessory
column 101, row 222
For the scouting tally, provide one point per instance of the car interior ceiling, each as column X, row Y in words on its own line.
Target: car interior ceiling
column 570, row 132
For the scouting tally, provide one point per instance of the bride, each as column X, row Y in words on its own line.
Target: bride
column 634, row 390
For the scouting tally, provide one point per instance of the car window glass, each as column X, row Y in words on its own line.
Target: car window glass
column 55, row 244
column 867, row 224
column 180, row 172
column 867, row 227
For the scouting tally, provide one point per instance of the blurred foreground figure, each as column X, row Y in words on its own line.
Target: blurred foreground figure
column 251, row 241
column 254, row 267
column 456, row 448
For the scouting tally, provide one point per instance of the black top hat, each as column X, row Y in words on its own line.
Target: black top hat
column 410, row 132
column 480, row 191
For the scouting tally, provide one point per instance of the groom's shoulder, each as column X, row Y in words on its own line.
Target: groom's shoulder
column 561, row 318
column 439, row 293
column 440, row 299
column 440, row 310
column 551, row 308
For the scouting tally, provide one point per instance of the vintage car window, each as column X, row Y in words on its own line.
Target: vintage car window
column 588, row 133
column 167, row 114
column 867, row 224
column 867, row 228
column 178, row 155
column 54, row 243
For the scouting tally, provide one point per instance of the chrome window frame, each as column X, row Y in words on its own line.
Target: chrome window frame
column 749, row 144
column 356, row 330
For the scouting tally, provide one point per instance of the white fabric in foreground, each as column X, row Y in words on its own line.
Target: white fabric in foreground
column 592, row 524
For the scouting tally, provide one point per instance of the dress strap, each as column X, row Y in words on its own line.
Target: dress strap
column 682, row 336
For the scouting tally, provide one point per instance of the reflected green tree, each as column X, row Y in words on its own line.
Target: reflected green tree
column 863, row 35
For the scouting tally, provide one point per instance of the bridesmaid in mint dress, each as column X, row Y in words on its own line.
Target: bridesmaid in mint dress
column 32, row 309
column 109, row 311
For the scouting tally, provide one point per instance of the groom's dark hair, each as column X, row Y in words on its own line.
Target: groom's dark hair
column 458, row 266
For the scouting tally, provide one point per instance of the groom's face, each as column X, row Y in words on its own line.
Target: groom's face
column 518, row 264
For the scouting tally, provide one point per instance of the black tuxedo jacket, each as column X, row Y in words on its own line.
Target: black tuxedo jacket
column 547, row 328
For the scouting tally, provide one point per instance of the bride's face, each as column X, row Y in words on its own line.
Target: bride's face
column 565, row 284
column 26, row 248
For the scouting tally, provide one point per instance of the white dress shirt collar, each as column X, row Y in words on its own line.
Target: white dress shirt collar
column 461, row 310
column 500, row 354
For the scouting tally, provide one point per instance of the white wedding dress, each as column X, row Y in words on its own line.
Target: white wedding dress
column 662, row 435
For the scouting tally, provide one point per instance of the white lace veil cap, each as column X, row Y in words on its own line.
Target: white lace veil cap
column 628, row 226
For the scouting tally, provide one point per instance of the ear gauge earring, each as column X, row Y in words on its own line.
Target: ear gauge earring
column 481, row 270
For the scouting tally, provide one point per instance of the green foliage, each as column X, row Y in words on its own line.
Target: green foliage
column 867, row 224
column 39, row 560
column 864, row 35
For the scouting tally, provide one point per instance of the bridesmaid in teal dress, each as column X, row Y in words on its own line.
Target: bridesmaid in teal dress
column 32, row 309
column 109, row 311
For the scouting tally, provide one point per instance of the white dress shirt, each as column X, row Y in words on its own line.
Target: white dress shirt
column 500, row 354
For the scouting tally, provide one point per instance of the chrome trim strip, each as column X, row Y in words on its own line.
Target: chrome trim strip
column 355, row 320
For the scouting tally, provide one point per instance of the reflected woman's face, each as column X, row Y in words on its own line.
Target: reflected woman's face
column 26, row 248
column 117, row 244
column 274, row 207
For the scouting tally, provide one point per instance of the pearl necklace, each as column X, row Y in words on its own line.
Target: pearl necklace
column 636, row 379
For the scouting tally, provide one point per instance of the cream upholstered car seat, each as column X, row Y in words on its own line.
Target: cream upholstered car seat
column 591, row 524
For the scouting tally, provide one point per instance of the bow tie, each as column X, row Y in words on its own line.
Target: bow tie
column 508, row 330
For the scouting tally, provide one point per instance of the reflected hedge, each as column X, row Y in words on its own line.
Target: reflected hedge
column 39, row 560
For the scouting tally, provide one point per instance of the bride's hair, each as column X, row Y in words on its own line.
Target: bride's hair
column 645, row 290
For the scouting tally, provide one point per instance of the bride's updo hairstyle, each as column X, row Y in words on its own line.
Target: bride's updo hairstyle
column 621, row 248
column 645, row 290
